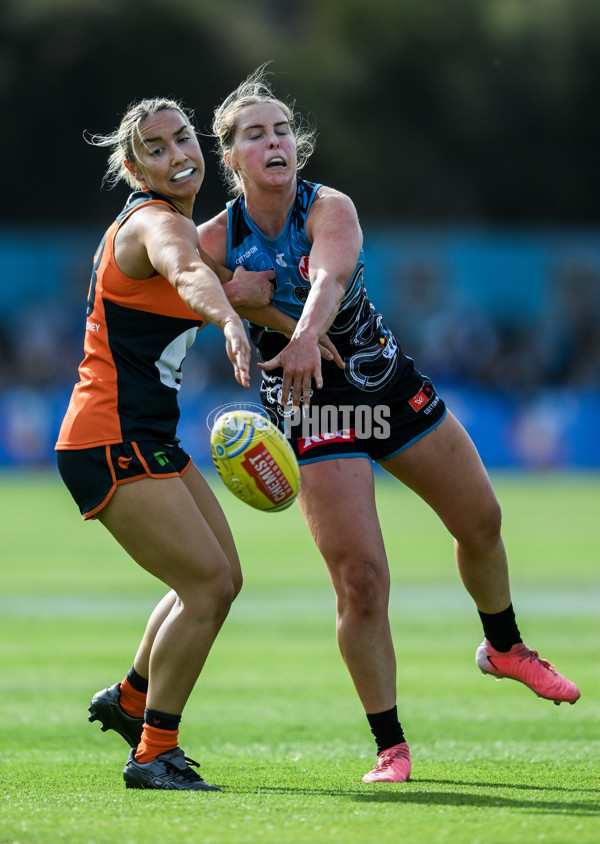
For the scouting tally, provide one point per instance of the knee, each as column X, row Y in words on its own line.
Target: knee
column 490, row 524
column 224, row 594
column 483, row 528
column 210, row 598
column 363, row 588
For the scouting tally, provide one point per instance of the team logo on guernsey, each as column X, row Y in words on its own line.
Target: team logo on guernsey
column 301, row 293
column 303, row 268
column 422, row 397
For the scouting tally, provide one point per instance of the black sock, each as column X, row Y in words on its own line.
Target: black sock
column 136, row 681
column 161, row 720
column 386, row 728
column 500, row 629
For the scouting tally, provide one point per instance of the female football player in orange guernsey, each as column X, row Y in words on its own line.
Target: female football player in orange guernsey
column 310, row 235
column 117, row 450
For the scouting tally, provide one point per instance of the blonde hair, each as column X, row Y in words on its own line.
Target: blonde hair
column 255, row 89
column 122, row 141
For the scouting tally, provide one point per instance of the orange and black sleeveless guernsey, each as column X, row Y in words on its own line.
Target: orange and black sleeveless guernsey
column 137, row 335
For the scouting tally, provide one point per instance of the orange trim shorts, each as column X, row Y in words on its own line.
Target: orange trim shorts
column 92, row 474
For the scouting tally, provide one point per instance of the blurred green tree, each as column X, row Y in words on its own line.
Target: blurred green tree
column 427, row 110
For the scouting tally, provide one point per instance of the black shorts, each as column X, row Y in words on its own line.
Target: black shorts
column 92, row 474
column 342, row 421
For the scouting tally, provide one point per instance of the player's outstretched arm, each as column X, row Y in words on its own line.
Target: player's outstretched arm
column 171, row 243
column 333, row 228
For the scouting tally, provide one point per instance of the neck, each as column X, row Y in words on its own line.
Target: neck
column 270, row 209
column 183, row 204
column 186, row 206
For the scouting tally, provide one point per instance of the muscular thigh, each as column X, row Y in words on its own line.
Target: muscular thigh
column 212, row 511
column 337, row 499
column 159, row 523
column 445, row 469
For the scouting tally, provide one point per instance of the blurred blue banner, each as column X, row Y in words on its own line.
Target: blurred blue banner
column 506, row 323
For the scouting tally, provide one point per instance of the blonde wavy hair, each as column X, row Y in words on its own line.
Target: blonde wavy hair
column 122, row 142
column 256, row 89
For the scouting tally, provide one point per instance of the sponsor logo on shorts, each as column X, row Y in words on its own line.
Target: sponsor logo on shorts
column 123, row 462
column 424, row 400
column 419, row 401
column 161, row 458
column 343, row 436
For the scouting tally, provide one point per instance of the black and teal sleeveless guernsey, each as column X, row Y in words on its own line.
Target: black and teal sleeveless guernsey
column 377, row 374
column 371, row 354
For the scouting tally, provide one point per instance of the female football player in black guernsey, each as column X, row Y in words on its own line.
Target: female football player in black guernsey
column 117, row 450
column 370, row 405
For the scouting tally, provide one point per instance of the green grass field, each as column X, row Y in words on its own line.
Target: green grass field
column 274, row 719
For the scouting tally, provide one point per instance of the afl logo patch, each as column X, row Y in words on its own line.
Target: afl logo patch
column 303, row 268
column 301, row 293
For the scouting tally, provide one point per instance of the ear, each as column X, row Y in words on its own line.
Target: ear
column 134, row 171
column 229, row 160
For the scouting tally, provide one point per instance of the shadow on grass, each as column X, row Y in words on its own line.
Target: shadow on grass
column 407, row 793
column 522, row 786
column 488, row 799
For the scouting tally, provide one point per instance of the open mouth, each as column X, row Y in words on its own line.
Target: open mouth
column 276, row 162
column 183, row 174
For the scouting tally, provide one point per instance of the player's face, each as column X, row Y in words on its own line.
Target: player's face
column 264, row 149
column 169, row 159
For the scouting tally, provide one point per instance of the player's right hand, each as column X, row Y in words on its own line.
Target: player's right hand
column 238, row 349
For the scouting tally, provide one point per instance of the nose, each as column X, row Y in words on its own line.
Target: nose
column 177, row 154
column 273, row 141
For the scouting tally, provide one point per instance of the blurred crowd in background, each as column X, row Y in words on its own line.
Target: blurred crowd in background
column 512, row 313
column 466, row 133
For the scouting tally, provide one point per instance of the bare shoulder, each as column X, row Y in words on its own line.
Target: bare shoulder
column 145, row 230
column 218, row 223
column 212, row 235
column 331, row 196
column 153, row 218
column 331, row 208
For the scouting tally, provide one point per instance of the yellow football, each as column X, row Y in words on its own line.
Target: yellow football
column 255, row 461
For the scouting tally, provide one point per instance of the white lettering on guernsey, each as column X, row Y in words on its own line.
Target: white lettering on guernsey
column 92, row 326
column 247, row 254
